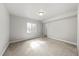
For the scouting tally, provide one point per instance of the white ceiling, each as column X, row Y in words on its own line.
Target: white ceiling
column 31, row 10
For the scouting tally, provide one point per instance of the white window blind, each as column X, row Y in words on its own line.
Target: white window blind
column 31, row 28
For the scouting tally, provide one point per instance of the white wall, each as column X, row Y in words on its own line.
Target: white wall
column 4, row 29
column 63, row 29
column 78, row 30
column 18, row 29
column 44, row 30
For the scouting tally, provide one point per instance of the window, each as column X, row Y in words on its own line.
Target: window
column 31, row 28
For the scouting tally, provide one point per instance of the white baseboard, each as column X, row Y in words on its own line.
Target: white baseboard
column 22, row 39
column 65, row 41
column 4, row 49
column 16, row 40
column 48, row 37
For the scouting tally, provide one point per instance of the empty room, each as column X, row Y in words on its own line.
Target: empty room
column 38, row 29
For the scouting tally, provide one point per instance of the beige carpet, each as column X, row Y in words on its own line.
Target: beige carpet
column 41, row 47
